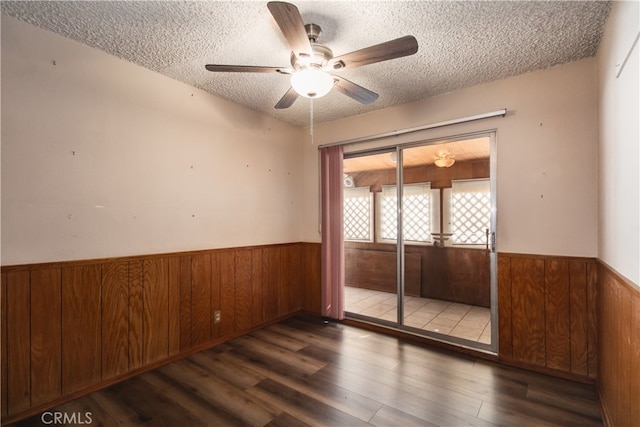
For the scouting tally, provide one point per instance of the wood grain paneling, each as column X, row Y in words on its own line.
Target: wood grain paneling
column 81, row 327
column 136, row 313
column 156, row 310
column 294, row 257
column 115, row 319
column 505, row 327
column 215, row 297
column 200, row 299
column 557, row 315
column 271, row 266
column 227, row 292
column 634, row 363
column 173, row 272
column 284, row 275
column 546, row 313
column 467, row 274
column 579, row 332
column 18, row 341
column 619, row 348
column 243, row 287
column 376, row 269
column 185, row 303
column 3, row 345
column 528, row 310
column 257, row 287
column 453, row 274
column 312, row 290
column 46, row 352
column 282, row 285
column 593, row 319
column 71, row 327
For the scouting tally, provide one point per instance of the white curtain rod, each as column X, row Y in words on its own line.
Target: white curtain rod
column 497, row 113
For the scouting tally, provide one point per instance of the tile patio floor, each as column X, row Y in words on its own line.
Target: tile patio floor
column 449, row 318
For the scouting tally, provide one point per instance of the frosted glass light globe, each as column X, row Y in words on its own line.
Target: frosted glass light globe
column 311, row 82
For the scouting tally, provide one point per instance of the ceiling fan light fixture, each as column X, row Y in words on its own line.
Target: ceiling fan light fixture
column 311, row 82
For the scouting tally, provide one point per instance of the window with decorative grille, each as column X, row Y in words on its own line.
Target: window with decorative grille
column 470, row 211
column 358, row 214
column 417, row 213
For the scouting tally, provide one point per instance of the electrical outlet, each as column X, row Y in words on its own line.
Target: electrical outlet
column 216, row 316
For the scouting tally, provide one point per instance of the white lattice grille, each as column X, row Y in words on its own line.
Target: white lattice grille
column 470, row 212
column 357, row 214
column 389, row 226
column 416, row 213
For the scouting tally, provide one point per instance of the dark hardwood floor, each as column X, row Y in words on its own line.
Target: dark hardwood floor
column 304, row 372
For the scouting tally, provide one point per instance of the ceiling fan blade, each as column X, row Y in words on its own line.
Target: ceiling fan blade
column 404, row 46
column 354, row 91
column 290, row 22
column 287, row 100
column 246, row 69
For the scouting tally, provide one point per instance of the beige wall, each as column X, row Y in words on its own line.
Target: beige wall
column 104, row 158
column 546, row 153
column 130, row 187
column 619, row 152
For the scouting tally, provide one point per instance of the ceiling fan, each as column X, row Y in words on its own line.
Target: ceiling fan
column 313, row 64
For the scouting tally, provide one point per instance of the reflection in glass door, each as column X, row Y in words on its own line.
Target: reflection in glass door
column 434, row 251
column 371, row 267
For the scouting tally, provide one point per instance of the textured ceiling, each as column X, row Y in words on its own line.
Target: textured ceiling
column 460, row 43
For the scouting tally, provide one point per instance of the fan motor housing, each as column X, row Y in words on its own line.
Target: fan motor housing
column 321, row 53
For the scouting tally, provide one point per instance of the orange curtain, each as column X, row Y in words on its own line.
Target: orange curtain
column 332, row 233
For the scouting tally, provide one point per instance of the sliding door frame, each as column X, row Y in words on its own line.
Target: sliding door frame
column 399, row 325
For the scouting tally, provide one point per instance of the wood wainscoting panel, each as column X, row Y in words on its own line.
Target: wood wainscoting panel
column 201, row 298
column 579, row 327
column 243, row 287
column 271, row 274
column 18, row 341
column 81, row 327
column 619, row 348
column 115, row 319
column 185, row 303
column 291, row 275
column 546, row 313
column 283, row 277
column 3, row 346
column 593, row 318
column 505, row 327
column 557, row 315
column 312, row 288
column 216, row 294
column 257, row 287
column 136, row 314
column 634, row 386
column 174, row 304
column 375, row 269
column 227, row 292
column 528, row 310
column 69, row 328
column 455, row 274
column 156, row 310
column 46, row 351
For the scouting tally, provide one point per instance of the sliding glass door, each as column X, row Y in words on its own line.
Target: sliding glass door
column 418, row 239
column 371, row 256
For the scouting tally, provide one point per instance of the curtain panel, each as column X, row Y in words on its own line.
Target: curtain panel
column 332, row 233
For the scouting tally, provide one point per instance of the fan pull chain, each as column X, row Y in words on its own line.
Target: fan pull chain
column 311, row 120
